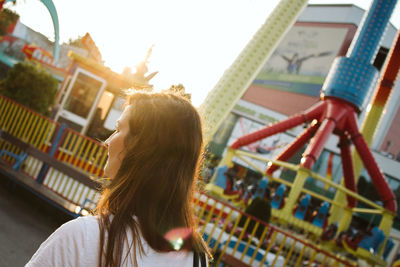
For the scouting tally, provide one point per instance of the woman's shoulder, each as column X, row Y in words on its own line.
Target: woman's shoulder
column 79, row 224
column 86, row 227
column 75, row 243
column 85, row 221
column 80, row 228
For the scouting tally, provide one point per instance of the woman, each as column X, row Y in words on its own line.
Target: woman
column 145, row 213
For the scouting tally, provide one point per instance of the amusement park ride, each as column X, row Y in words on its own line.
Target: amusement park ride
column 343, row 96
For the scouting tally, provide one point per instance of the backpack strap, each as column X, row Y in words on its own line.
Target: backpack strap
column 195, row 259
column 202, row 259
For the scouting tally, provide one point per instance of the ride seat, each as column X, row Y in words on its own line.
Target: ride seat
column 219, row 185
column 320, row 218
column 261, row 188
column 303, row 207
column 372, row 240
column 220, row 176
column 277, row 200
column 388, row 248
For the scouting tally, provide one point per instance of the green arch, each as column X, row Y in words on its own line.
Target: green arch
column 53, row 13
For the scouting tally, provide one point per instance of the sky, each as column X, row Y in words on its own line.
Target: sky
column 194, row 41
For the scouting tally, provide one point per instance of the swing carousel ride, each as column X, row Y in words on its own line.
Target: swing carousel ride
column 343, row 96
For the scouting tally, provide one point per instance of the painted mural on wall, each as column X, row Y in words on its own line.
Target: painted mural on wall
column 303, row 59
column 268, row 148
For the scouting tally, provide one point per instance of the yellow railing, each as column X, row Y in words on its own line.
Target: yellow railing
column 84, row 154
column 74, row 149
column 230, row 231
column 286, row 217
column 27, row 126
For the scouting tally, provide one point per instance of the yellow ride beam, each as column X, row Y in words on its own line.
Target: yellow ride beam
column 230, row 88
column 313, row 175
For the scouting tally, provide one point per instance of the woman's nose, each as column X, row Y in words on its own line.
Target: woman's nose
column 106, row 143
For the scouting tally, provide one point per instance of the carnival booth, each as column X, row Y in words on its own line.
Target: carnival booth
column 90, row 98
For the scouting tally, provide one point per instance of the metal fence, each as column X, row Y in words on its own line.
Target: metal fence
column 232, row 235
column 229, row 231
column 64, row 144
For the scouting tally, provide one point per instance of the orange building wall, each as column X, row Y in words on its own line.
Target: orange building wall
column 286, row 103
column 393, row 135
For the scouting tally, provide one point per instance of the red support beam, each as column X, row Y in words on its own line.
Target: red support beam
column 348, row 170
column 377, row 178
column 310, row 114
column 294, row 147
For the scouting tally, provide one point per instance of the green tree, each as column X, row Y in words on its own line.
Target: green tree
column 77, row 42
column 181, row 90
column 7, row 17
column 30, row 86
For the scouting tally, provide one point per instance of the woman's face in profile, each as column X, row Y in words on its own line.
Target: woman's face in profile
column 116, row 144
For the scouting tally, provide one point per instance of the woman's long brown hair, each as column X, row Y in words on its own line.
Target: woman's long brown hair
column 156, row 180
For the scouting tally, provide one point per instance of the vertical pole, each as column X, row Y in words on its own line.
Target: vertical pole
column 53, row 150
column 385, row 225
column 295, row 191
column 347, row 215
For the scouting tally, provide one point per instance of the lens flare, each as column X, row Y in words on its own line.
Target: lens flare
column 177, row 236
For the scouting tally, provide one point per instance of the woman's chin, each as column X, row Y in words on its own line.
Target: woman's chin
column 106, row 172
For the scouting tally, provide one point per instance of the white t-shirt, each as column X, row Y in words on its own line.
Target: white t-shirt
column 77, row 243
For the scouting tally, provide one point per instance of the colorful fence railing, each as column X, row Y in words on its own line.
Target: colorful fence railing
column 229, row 231
column 232, row 234
column 72, row 148
column 26, row 125
column 84, row 154
column 313, row 225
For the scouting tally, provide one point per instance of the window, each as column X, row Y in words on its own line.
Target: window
column 83, row 95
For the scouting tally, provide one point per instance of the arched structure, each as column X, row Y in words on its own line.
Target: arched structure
column 53, row 13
